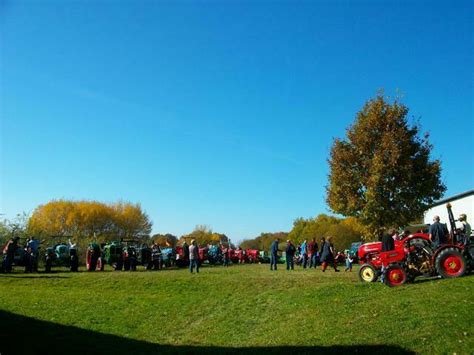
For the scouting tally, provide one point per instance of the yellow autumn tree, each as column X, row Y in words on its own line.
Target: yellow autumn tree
column 203, row 235
column 84, row 219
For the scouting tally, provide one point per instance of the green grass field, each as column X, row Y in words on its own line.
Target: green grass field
column 244, row 308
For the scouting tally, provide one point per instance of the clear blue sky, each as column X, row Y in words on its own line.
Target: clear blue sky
column 218, row 112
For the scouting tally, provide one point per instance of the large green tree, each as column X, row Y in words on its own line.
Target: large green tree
column 382, row 172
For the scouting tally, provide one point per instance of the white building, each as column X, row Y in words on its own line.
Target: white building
column 462, row 203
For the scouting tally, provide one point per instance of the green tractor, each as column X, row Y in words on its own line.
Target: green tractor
column 61, row 254
column 263, row 257
column 120, row 254
column 112, row 253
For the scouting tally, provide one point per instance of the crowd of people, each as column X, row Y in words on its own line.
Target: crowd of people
column 309, row 255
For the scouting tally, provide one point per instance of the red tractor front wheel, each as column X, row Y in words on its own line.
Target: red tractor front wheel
column 450, row 263
column 367, row 273
column 395, row 275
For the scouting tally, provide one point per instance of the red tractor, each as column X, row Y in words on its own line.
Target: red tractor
column 238, row 256
column 203, row 254
column 182, row 256
column 414, row 256
column 253, row 256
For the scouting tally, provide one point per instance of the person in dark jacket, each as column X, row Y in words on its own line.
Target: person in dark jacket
column 290, row 254
column 323, row 240
column 226, row 253
column 313, row 250
column 438, row 233
column 156, row 256
column 186, row 250
column 9, row 253
column 388, row 243
column 274, row 254
column 327, row 256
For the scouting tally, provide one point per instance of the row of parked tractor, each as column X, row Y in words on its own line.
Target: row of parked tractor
column 413, row 255
column 124, row 255
column 128, row 255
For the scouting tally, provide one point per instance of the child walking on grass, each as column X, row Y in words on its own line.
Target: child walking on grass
column 349, row 261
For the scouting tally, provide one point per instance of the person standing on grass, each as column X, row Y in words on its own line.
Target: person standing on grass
column 313, row 250
column 9, row 253
column 309, row 248
column 274, row 254
column 327, row 256
column 323, row 240
column 290, row 254
column 304, row 253
column 193, row 256
column 226, row 256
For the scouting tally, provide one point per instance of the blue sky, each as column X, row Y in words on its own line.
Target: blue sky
column 218, row 112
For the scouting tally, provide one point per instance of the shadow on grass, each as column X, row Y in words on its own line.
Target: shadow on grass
column 24, row 335
column 421, row 280
column 38, row 276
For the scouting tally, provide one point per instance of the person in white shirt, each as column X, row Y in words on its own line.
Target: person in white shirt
column 193, row 256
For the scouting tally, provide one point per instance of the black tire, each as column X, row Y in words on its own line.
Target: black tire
column 395, row 275
column 450, row 263
column 367, row 273
column 48, row 266
column 133, row 265
column 74, row 264
column 410, row 277
column 469, row 255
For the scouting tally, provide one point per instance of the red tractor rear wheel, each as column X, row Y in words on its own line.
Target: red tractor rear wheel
column 450, row 263
column 395, row 275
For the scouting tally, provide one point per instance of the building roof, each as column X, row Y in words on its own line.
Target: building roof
column 453, row 198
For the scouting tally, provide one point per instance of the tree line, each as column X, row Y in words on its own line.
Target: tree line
column 202, row 234
column 343, row 230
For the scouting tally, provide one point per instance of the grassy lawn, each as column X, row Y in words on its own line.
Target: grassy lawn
column 245, row 307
